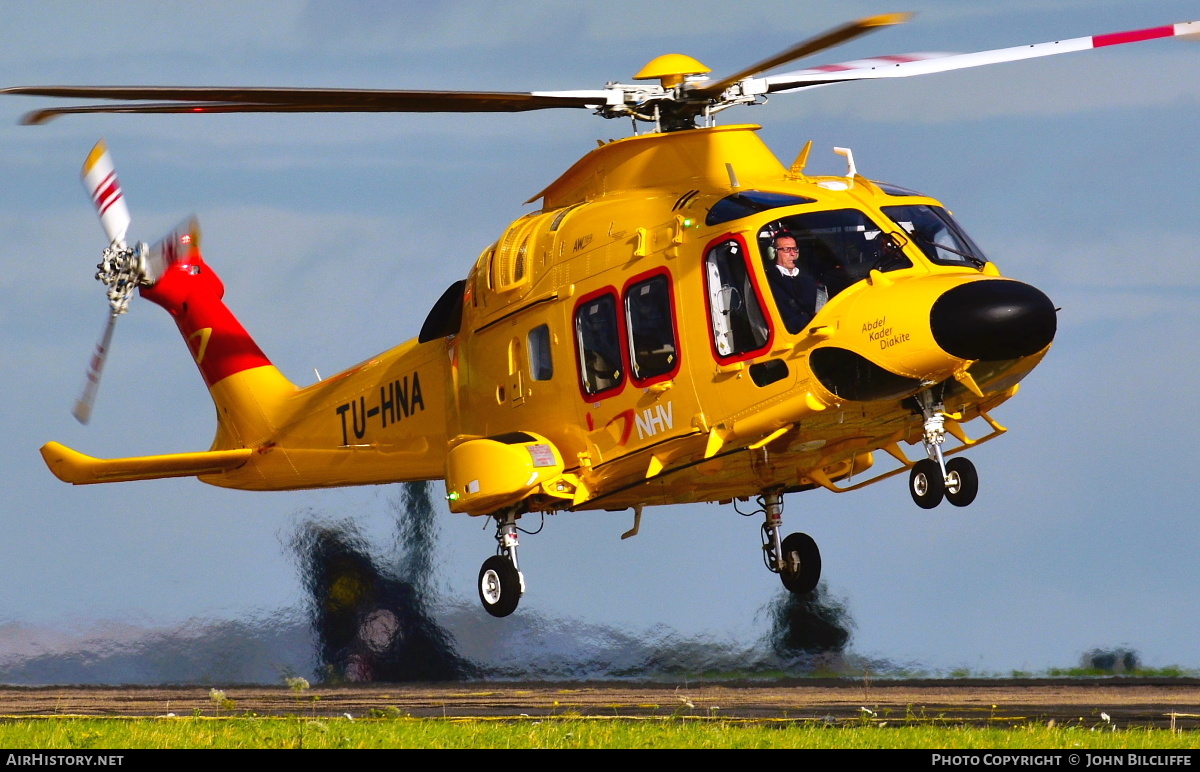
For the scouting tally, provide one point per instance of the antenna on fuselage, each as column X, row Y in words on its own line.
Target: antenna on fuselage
column 797, row 170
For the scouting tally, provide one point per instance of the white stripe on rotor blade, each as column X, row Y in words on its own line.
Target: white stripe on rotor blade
column 925, row 64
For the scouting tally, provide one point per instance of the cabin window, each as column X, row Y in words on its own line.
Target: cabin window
column 598, row 338
column 651, row 328
column 541, row 366
column 738, row 323
column 837, row 248
column 937, row 234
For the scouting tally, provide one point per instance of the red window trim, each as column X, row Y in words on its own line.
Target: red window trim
column 640, row 279
column 611, row 391
column 766, row 312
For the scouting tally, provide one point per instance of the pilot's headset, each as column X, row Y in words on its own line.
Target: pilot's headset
column 770, row 233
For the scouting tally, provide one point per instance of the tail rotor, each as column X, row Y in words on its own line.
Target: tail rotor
column 121, row 269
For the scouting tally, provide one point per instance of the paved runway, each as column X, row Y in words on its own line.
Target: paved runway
column 1127, row 701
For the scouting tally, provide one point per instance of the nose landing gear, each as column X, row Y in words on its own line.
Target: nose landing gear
column 934, row 478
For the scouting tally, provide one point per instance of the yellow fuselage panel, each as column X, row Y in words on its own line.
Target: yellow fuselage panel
column 381, row 421
column 679, row 162
column 889, row 324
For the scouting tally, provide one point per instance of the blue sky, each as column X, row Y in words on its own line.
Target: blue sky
column 335, row 233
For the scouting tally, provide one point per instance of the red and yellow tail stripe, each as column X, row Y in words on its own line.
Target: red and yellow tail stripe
column 191, row 292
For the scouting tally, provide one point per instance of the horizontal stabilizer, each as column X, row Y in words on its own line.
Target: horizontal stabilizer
column 74, row 467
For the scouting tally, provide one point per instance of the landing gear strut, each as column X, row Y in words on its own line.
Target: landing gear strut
column 796, row 559
column 501, row 583
column 933, row 478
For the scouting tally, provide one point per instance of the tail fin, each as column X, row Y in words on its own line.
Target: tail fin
column 249, row 392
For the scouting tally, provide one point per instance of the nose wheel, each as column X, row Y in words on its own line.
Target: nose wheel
column 962, row 481
column 926, row 484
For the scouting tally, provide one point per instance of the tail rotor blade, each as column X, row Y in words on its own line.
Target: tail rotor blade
column 170, row 249
column 83, row 405
column 100, row 180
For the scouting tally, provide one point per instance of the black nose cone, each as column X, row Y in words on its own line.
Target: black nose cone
column 993, row 320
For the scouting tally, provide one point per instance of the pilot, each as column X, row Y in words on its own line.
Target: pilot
column 796, row 293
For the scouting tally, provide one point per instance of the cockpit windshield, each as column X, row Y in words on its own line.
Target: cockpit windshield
column 836, row 248
column 937, row 234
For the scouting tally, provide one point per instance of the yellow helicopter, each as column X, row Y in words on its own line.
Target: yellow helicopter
column 684, row 319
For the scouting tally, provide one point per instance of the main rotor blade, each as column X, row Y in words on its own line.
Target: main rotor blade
column 906, row 65
column 302, row 100
column 808, row 47
column 83, row 405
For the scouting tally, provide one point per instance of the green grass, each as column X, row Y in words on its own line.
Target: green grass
column 1171, row 671
column 114, row 733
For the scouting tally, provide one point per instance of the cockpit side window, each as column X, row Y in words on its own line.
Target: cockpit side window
column 740, row 329
column 937, row 234
column 598, row 341
column 837, row 248
column 650, row 321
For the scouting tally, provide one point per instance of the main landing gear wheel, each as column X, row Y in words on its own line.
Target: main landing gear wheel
column 499, row 586
column 801, row 564
column 926, row 484
column 962, row 482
